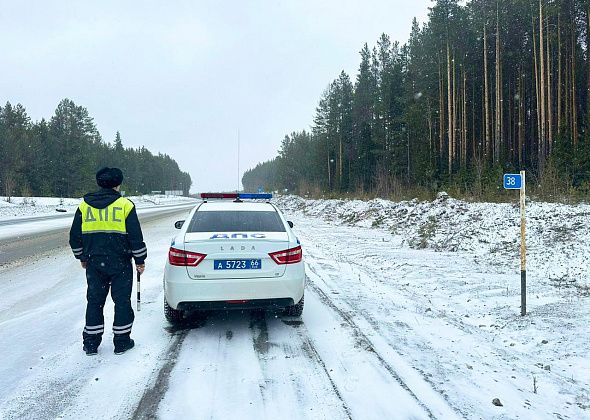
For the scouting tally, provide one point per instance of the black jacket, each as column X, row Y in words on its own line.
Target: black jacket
column 107, row 244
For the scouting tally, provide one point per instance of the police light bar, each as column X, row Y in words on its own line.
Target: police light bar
column 265, row 196
column 218, row 195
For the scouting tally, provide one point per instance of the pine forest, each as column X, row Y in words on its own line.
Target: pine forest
column 60, row 157
column 482, row 88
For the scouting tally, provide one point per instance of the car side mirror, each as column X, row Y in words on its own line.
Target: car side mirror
column 290, row 223
column 179, row 224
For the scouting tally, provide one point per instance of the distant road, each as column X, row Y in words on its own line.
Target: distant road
column 18, row 220
column 34, row 244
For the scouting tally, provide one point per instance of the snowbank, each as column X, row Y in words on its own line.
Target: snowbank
column 557, row 248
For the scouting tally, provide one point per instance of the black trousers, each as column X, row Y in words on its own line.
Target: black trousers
column 102, row 274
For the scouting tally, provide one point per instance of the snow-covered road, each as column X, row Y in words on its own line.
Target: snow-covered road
column 44, row 373
column 387, row 332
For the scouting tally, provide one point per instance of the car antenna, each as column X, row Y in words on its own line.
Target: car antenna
column 238, row 190
column 237, row 200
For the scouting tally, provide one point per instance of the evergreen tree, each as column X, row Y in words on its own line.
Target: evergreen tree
column 483, row 87
column 61, row 157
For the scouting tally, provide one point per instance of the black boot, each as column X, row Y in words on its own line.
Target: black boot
column 90, row 349
column 122, row 347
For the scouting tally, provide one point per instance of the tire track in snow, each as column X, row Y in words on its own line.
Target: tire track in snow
column 366, row 343
column 150, row 400
column 147, row 406
column 378, row 328
column 328, row 265
column 217, row 373
column 262, row 345
column 313, row 354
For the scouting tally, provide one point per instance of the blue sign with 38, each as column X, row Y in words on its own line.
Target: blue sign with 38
column 512, row 181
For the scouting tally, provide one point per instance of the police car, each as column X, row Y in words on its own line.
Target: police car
column 234, row 253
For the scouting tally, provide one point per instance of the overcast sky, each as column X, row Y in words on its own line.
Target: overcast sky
column 182, row 77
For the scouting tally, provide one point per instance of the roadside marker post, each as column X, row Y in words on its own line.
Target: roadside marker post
column 517, row 182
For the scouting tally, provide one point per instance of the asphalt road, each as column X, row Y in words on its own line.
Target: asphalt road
column 20, row 248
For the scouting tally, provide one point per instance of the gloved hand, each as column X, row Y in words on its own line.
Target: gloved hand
column 140, row 268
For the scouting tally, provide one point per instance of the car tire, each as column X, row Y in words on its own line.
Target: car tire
column 295, row 310
column 172, row 315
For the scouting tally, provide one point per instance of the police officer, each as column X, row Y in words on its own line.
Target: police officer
column 105, row 235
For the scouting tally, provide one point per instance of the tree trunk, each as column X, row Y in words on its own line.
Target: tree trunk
column 488, row 143
column 537, row 91
column 464, row 136
column 441, row 115
column 498, row 134
column 450, row 109
column 574, row 104
column 340, row 164
column 508, row 132
column 521, row 126
column 566, row 90
column 455, row 106
column 549, row 96
column 474, row 139
column 542, row 139
column 559, row 74
column 482, row 146
column 588, row 67
column 429, row 120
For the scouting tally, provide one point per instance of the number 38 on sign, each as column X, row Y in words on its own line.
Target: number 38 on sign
column 512, row 181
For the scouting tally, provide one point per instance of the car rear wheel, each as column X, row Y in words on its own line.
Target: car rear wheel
column 173, row 316
column 295, row 310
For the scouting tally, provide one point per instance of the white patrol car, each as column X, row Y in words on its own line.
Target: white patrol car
column 234, row 254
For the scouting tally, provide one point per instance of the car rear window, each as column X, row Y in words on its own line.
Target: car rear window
column 236, row 221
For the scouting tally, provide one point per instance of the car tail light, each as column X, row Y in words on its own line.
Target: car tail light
column 288, row 256
column 183, row 258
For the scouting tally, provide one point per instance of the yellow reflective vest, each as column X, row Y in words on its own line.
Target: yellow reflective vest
column 111, row 219
column 106, row 225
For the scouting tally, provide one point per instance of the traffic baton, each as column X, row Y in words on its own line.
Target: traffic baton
column 138, row 291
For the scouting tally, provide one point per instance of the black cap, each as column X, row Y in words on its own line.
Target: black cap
column 109, row 177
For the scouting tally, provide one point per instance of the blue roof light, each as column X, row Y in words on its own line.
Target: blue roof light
column 264, row 196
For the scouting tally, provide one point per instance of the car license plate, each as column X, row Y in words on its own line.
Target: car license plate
column 237, row 264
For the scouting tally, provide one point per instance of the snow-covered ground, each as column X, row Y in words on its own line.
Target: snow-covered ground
column 412, row 311
column 33, row 206
column 557, row 246
column 441, row 282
